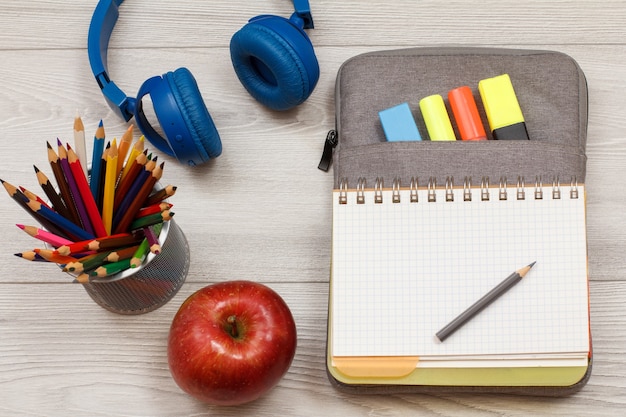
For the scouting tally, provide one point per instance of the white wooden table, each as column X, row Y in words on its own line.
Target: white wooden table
column 261, row 211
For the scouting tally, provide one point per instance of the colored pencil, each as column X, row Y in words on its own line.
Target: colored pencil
column 45, row 236
column 57, row 203
column 79, row 143
column 136, row 150
column 124, row 253
column 96, row 159
column 87, row 263
column 74, row 191
column 108, row 194
column 30, row 256
column 34, row 196
column 60, row 221
column 153, row 209
column 22, row 201
column 100, row 243
column 123, row 148
column 133, row 192
column 89, row 202
column 151, row 220
column 115, row 241
column 103, row 169
column 50, row 256
column 140, row 255
column 161, row 195
column 125, row 183
column 64, row 188
column 153, row 240
column 140, row 199
column 112, row 268
column 82, row 278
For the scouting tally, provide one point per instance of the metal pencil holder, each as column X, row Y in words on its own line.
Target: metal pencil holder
column 150, row 286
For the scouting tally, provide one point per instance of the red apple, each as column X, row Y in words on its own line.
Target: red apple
column 231, row 342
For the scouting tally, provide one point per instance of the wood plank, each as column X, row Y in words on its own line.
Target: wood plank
column 190, row 24
column 61, row 352
column 262, row 211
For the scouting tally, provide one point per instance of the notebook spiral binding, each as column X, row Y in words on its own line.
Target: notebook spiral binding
column 503, row 189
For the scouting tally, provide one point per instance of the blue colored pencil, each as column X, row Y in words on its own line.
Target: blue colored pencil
column 96, row 160
column 59, row 220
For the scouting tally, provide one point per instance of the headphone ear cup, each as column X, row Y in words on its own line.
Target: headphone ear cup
column 275, row 62
column 194, row 112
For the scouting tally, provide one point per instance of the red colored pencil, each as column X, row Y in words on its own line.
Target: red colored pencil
column 83, row 186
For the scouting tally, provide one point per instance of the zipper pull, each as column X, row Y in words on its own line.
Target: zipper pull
column 329, row 145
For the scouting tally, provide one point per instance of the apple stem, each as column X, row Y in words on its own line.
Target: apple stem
column 232, row 321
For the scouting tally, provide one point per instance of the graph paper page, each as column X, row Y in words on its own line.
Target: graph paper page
column 402, row 271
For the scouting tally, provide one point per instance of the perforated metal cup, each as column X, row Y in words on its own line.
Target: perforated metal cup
column 150, row 286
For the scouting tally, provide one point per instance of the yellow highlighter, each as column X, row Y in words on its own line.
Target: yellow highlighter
column 504, row 114
column 436, row 118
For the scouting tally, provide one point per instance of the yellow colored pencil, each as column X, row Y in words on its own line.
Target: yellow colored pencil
column 108, row 195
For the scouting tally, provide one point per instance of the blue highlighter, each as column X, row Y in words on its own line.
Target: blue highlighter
column 398, row 124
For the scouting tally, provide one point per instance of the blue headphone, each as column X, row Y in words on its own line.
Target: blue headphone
column 272, row 56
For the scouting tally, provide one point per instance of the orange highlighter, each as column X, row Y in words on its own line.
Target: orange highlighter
column 466, row 114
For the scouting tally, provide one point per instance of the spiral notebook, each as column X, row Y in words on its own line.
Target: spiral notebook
column 407, row 260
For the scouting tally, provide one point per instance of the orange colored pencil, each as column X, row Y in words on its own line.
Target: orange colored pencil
column 51, row 256
column 123, row 148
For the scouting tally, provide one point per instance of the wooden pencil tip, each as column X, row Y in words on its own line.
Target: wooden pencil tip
column 532, row 264
column 21, row 226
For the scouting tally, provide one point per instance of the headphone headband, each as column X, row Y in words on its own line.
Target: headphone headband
column 100, row 30
column 303, row 11
column 285, row 55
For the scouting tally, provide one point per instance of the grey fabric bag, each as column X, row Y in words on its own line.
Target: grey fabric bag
column 550, row 86
column 551, row 89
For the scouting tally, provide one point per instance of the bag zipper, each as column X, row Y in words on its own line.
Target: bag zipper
column 327, row 156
